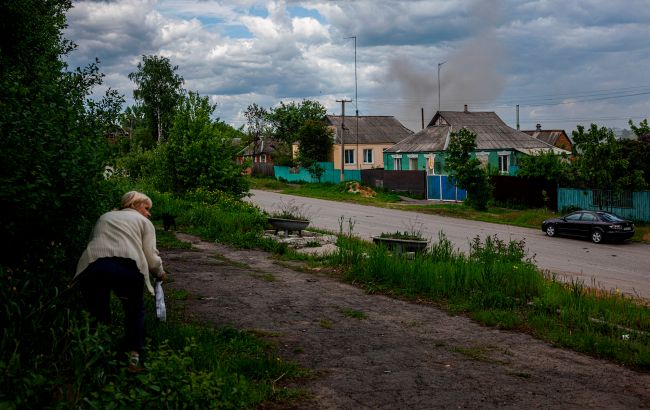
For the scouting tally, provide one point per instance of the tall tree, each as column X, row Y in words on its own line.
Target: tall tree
column 257, row 126
column 643, row 130
column 200, row 152
column 288, row 118
column 466, row 169
column 315, row 142
column 158, row 91
column 637, row 152
column 600, row 162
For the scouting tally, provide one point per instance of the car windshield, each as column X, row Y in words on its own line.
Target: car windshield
column 611, row 217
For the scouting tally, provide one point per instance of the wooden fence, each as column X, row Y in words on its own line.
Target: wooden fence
column 413, row 182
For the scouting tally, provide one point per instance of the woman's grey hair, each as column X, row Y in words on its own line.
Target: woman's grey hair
column 134, row 198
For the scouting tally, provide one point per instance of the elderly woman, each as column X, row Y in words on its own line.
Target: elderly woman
column 120, row 257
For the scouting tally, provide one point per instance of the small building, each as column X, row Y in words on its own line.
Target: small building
column 557, row 138
column 364, row 139
column 260, row 154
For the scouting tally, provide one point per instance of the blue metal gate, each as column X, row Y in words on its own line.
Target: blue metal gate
column 442, row 188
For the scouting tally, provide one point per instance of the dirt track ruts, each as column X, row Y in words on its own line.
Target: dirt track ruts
column 403, row 355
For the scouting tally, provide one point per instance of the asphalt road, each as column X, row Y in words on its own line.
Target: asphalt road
column 609, row 266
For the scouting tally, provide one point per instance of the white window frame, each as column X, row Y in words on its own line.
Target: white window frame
column 367, row 159
column 352, row 156
column 431, row 165
column 397, row 162
column 412, row 160
column 504, row 163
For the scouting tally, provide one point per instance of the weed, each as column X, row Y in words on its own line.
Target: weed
column 356, row 314
column 268, row 277
column 177, row 294
column 325, row 323
column 289, row 210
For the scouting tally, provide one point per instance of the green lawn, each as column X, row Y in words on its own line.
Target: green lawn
column 526, row 218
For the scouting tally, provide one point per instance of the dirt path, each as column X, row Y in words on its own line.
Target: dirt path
column 401, row 355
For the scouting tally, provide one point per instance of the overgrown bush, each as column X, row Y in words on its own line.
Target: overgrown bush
column 51, row 191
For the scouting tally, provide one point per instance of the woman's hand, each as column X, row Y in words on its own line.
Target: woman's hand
column 162, row 276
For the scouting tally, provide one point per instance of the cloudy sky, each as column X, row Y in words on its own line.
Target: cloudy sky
column 563, row 62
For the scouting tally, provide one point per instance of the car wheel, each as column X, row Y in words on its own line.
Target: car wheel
column 550, row 230
column 596, row 236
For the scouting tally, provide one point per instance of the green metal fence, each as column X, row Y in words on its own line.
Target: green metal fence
column 630, row 205
column 299, row 174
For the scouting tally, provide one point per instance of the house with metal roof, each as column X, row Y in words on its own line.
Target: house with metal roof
column 498, row 146
column 557, row 138
column 360, row 141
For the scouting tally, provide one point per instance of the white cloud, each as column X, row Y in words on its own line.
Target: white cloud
column 498, row 53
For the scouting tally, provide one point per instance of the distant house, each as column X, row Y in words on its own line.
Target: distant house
column 364, row 139
column 498, row 146
column 557, row 138
column 260, row 154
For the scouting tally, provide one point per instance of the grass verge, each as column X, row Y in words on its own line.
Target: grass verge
column 525, row 218
column 498, row 286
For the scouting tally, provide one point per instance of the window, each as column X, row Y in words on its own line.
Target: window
column 367, row 156
column 574, row 216
column 438, row 168
column 349, row 156
column 588, row 217
column 263, row 158
column 397, row 164
column 413, row 163
column 503, row 164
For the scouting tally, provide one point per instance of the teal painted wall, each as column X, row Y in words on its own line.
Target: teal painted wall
column 583, row 198
column 493, row 161
column 299, row 174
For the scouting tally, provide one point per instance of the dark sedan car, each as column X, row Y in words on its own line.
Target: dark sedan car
column 597, row 225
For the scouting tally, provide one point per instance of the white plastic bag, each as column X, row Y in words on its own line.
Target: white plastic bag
column 161, row 311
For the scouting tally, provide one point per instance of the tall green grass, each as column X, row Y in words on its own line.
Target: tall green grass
column 185, row 366
column 498, row 285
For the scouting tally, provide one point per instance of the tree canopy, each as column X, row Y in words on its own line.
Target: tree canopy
column 158, row 92
column 600, row 162
column 315, row 141
column 547, row 165
column 200, row 151
column 287, row 119
column 466, row 170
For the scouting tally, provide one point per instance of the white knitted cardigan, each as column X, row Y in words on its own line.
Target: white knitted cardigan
column 128, row 234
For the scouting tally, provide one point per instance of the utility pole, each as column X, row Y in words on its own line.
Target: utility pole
column 343, row 137
column 356, row 98
column 439, row 65
column 517, row 117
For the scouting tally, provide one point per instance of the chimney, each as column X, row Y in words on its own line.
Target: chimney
column 538, row 127
column 465, row 108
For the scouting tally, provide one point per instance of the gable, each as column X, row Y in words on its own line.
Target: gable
column 431, row 139
column 368, row 129
column 491, row 132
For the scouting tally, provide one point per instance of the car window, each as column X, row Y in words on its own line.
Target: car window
column 589, row 217
column 610, row 217
column 574, row 216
